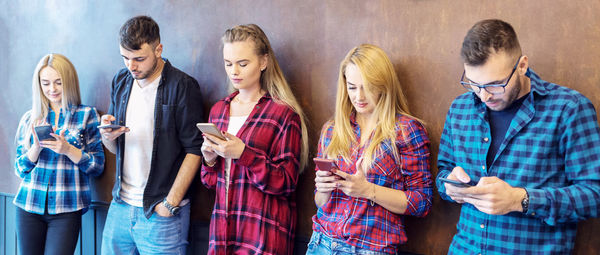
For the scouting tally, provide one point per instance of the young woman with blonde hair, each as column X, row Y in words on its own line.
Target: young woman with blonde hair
column 55, row 190
column 382, row 156
column 255, row 170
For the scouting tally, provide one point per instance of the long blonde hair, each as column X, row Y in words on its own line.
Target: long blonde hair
column 271, row 79
column 379, row 78
column 71, row 96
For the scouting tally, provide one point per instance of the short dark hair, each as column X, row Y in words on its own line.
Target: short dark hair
column 485, row 35
column 137, row 31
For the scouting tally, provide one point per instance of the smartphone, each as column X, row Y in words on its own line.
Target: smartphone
column 210, row 128
column 43, row 133
column 458, row 183
column 325, row 164
column 111, row 126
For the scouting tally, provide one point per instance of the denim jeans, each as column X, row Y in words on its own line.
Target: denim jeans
column 47, row 234
column 127, row 231
column 320, row 244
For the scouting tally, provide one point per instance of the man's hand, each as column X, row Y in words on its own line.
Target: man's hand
column 491, row 195
column 161, row 210
column 108, row 133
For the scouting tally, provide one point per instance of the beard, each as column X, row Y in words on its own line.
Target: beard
column 144, row 75
column 511, row 96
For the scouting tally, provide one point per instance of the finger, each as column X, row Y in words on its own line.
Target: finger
column 359, row 174
column 329, row 179
column 343, row 174
column 460, row 174
column 217, row 141
column 323, row 173
column 488, row 180
column 107, row 118
column 55, row 136
column 208, row 141
column 62, row 133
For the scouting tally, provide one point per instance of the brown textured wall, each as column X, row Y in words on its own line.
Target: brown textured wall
column 422, row 37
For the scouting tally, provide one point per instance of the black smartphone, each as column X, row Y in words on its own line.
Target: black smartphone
column 43, row 133
column 111, row 126
column 458, row 183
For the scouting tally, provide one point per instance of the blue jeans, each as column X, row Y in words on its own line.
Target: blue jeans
column 127, row 231
column 47, row 234
column 320, row 244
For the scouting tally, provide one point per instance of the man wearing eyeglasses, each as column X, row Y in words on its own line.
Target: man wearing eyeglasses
column 532, row 148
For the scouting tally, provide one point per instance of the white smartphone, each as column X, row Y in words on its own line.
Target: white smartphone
column 210, row 128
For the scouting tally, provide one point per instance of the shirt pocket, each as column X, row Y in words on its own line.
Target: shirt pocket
column 168, row 117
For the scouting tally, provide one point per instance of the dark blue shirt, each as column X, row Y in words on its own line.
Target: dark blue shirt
column 499, row 123
column 178, row 107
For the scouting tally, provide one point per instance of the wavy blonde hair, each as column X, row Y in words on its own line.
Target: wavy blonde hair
column 71, row 96
column 379, row 77
column 271, row 79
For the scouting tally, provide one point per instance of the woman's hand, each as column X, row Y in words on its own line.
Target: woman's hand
column 325, row 181
column 34, row 151
column 208, row 153
column 61, row 146
column 231, row 148
column 355, row 185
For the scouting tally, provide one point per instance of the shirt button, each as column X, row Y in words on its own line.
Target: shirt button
column 333, row 245
column 532, row 214
column 486, row 139
column 483, row 167
column 482, row 226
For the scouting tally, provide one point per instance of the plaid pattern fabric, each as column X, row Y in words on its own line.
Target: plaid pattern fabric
column 355, row 220
column 551, row 149
column 54, row 176
column 261, row 215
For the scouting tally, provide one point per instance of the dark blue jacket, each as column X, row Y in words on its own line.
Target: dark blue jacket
column 177, row 109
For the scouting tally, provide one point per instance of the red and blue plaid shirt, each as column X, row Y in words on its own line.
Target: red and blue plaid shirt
column 373, row 227
column 260, row 217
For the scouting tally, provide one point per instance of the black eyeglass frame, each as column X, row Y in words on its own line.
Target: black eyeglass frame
column 469, row 85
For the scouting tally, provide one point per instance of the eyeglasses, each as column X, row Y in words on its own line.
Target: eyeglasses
column 495, row 89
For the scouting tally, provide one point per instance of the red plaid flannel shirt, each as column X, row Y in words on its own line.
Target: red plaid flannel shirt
column 375, row 228
column 261, row 215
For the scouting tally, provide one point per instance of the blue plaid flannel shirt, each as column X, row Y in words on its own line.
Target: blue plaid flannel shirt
column 54, row 176
column 552, row 149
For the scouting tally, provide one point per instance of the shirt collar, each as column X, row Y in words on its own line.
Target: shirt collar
column 537, row 84
column 228, row 99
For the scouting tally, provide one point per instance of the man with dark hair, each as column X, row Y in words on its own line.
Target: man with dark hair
column 157, row 147
column 525, row 152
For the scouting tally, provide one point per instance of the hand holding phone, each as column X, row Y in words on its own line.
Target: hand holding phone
column 458, row 183
column 110, row 131
column 211, row 129
column 43, row 133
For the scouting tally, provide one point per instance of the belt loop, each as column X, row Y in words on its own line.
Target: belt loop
column 319, row 238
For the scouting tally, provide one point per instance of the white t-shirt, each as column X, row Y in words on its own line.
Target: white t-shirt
column 138, row 142
column 235, row 124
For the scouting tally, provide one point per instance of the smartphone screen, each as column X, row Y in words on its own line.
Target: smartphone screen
column 458, row 183
column 43, row 133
